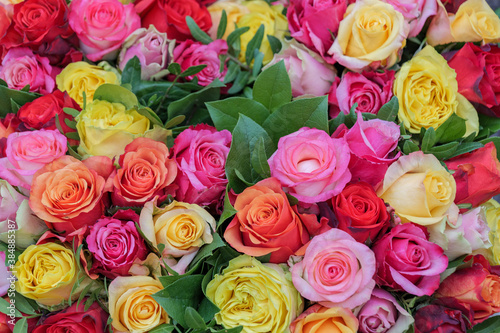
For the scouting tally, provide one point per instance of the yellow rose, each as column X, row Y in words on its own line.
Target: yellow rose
column 475, row 21
column 371, row 34
column 259, row 297
column 46, row 273
column 80, row 77
column 234, row 11
column 319, row 319
column 131, row 306
column 492, row 208
column 419, row 188
column 427, row 91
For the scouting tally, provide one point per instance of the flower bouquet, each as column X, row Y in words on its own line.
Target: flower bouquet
column 249, row 166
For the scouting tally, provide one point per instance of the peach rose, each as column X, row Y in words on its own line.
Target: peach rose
column 320, row 319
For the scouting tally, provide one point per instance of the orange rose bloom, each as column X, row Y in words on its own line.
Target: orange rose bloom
column 320, row 319
column 266, row 223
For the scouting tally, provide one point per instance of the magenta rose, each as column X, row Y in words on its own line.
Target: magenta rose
column 102, row 26
column 371, row 143
column 310, row 165
column 200, row 153
column 115, row 244
column 20, row 67
column 313, row 23
column 370, row 90
column 336, row 271
column 382, row 313
column 415, row 12
column 27, row 152
column 190, row 53
column 406, row 260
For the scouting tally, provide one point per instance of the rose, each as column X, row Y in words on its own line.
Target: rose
column 370, row 90
column 259, row 297
column 77, row 318
column 407, row 260
column 371, row 144
column 336, row 271
column 266, row 223
column 5, row 20
column 80, row 77
column 360, row 212
column 234, row 10
column 67, row 194
column 170, row 16
column 181, row 227
column 371, row 35
column 382, row 313
column 200, row 153
column 190, row 53
column 102, row 26
column 8, row 125
column 477, row 175
column 27, row 152
column 311, row 165
column 145, row 171
column 492, row 211
column 415, row 12
column 476, row 286
column 309, row 74
column 419, row 188
column 443, row 315
column 5, row 276
column 20, row 67
column 115, row 244
column 319, row 319
column 314, row 22
column 34, row 282
column 131, row 306
column 153, row 48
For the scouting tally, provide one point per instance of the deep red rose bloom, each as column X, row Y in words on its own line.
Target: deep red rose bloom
column 445, row 315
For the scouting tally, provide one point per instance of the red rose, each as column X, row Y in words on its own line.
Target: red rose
column 477, row 175
column 170, row 16
column 75, row 319
column 444, row 315
column 360, row 212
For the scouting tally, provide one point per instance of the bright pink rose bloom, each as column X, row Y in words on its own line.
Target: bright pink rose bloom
column 336, row 271
column 382, row 313
column 415, row 12
column 310, row 165
column 28, row 152
column 407, row 261
column 102, row 26
column 201, row 153
column 190, row 53
column 20, row 67
column 371, row 143
column 115, row 244
column 313, row 23
column 370, row 90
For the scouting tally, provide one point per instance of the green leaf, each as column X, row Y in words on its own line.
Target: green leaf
column 254, row 44
column 71, row 124
column 196, row 32
column 19, row 97
column 151, row 115
column 443, row 152
column 72, row 112
column 239, row 83
column 488, row 125
column 272, row 88
column 257, row 64
column 4, row 308
column 192, row 70
column 233, row 69
column 452, row 129
column 116, row 94
column 193, row 319
column 289, row 118
column 409, row 147
column 228, row 211
column 23, row 305
column 206, row 251
column 490, row 325
column 225, row 113
column 389, row 111
column 21, row 326
column 221, row 29
column 237, row 329
column 429, row 139
column 132, row 72
column 259, row 159
column 72, row 135
column 275, row 44
column 457, row 262
column 175, row 121
column 174, row 68
column 235, row 35
column 466, row 148
column 163, row 328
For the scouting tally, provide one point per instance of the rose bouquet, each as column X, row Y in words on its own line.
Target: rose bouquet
column 249, row 166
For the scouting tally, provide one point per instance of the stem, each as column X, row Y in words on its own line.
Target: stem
column 166, row 93
column 236, row 60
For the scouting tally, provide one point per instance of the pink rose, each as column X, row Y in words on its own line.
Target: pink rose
column 415, row 12
column 310, row 165
column 406, row 260
column 370, row 90
column 27, row 152
column 20, row 67
column 309, row 74
column 336, row 271
column 102, row 26
column 115, row 244
column 153, row 49
column 190, row 53
column 200, row 153
column 313, row 22
column 5, row 276
column 371, row 143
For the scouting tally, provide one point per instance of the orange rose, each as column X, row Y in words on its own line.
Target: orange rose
column 319, row 319
column 266, row 223
column 67, row 194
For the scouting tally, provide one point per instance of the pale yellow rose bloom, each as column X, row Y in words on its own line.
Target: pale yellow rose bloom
column 131, row 306
column 10, row 2
column 492, row 208
column 79, row 77
column 259, row 297
column 419, row 189
column 234, row 11
column 475, row 21
column 46, row 273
